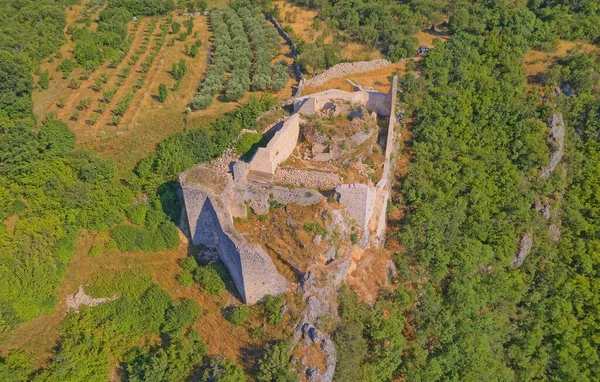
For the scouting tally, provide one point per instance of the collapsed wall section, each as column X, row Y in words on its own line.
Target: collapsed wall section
column 211, row 224
column 372, row 100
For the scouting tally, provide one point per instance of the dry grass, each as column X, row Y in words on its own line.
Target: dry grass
column 378, row 79
column 39, row 337
column 537, row 62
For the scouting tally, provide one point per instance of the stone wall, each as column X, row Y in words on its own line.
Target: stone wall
column 345, row 68
column 211, row 224
column 279, row 148
column 372, row 100
column 366, row 204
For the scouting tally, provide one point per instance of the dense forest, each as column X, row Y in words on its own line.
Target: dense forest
column 390, row 24
column 460, row 309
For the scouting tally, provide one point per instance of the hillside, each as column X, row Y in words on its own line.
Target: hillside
column 446, row 229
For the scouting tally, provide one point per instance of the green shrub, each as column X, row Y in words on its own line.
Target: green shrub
column 163, row 92
column 96, row 251
column 209, row 279
column 185, row 278
column 246, row 141
column 110, row 246
column 126, row 237
column 136, row 213
column 273, row 308
column 178, row 316
column 276, row 365
column 168, row 234
column 238, row 315
column 149, row 241
column 315, row 227
column 153, row 219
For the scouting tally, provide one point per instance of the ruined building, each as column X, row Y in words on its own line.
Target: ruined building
column 213, row 198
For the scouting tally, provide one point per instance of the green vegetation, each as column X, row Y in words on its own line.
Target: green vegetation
column 163, row 92
column 315, row 227
column 275, row 364
column 238, row 315
column 208, row 277
column 247, row 142
column 240, row 47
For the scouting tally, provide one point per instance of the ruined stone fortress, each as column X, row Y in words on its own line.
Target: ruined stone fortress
column 214, row 197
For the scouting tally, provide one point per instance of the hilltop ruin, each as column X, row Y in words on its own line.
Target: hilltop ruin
column 311, row 160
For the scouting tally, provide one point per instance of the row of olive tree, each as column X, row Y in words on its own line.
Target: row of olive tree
column 263, row 75
column 241, row 56
column 221, row 63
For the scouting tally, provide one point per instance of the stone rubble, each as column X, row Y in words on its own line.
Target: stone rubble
column 307, row 179
column 80, row 298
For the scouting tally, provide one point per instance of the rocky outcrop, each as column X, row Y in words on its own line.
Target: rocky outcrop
column 80, row 298
column 557, row 135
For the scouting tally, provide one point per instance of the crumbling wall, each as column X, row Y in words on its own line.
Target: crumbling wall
column 280, row 147
column 366, row 204
column 211, row 224
column 372, row 100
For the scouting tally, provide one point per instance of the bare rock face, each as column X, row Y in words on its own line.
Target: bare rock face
column 524, row 249
column 557, row 133
column 80, row 298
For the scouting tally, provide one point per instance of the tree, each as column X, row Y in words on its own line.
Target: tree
column 275, row 364
column 175, row 27
column 55, row 137
column 162, row 92
column 44, row 80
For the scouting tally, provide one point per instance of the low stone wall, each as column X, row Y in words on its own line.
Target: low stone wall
column 279, row 148
column 345, row 68
column 211, row 224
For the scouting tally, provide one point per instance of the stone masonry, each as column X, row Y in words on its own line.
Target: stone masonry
column 213, row 197
column 211, row 224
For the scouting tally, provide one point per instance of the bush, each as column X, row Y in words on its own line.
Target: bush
column 126, row 237
column 180, row 315
column 163, row 92
column 185, row 278
column 136, row 213
column 169, row 234
column 44, row 80
column 275, row 364
column 238, row 315
column 209, row 279
column 273, row 308
column 246, row 141
column 96, row 251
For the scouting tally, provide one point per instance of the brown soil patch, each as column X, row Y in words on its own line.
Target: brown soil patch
column 537, row 62
column 426, row 36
